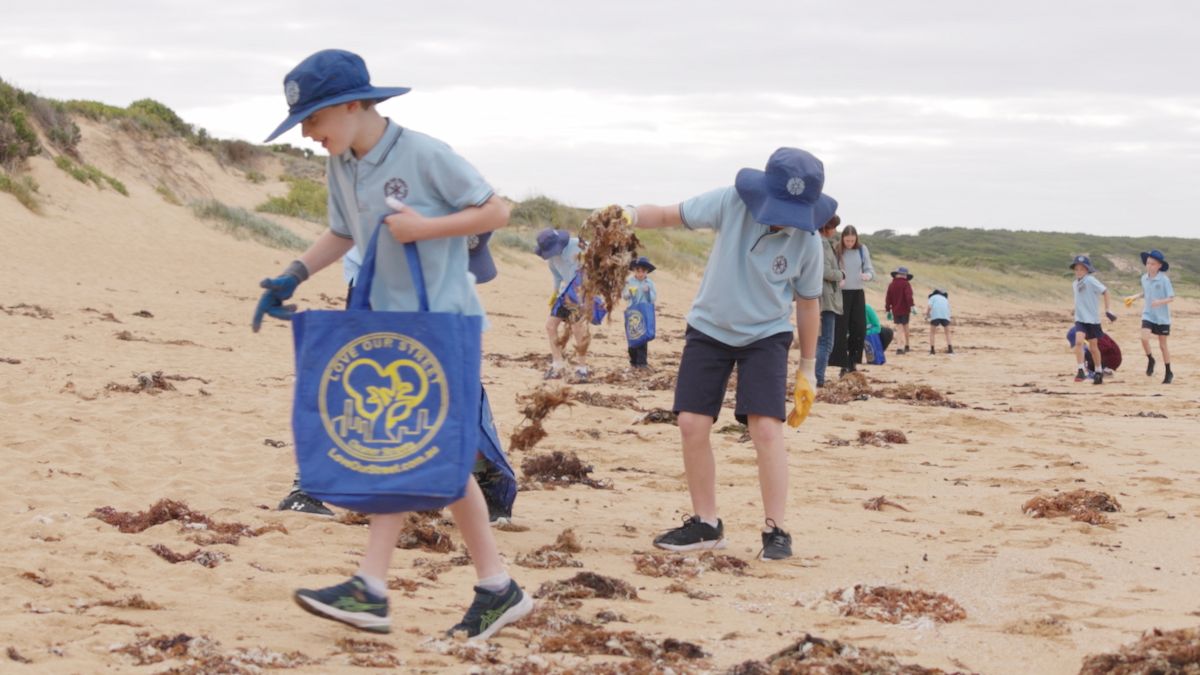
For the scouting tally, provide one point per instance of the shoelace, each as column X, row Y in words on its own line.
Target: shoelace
column 474, row 612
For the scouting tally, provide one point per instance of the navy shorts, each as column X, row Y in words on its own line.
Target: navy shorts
column 1091, row 331
column 706, row 364
column 1163, row 329
column 939, row 322
column 900, row 319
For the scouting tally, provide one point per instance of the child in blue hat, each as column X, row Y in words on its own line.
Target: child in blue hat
column 1156, row 312
column 427, row 194
column 1088, row 293
column 561, row 252
column 640, row 288
column 767, row 258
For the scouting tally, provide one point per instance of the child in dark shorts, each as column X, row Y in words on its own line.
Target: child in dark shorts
column 1088, row 292
column 938, row 314
column 899, row 303
column 767, row 256
column 1156, row 314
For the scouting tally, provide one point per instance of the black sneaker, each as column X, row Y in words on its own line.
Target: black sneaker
column 1098, row 378
column 1169, row 377
column 492, row 611
column 777, row 544
column 949, row 350
column 298, row 500
column 1149, row 365
column 932, row 350
column 1080, row 376
column 349, row 602
column 693, row 535
column 906, row 349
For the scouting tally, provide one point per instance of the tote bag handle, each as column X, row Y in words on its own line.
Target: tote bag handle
column 360, row 295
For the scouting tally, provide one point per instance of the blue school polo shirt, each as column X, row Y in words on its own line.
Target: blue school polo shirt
column 753, row 275
column 564, row 265
column 1087, row 298
column 1158, row 288
column 429, row 177
column 939, row 307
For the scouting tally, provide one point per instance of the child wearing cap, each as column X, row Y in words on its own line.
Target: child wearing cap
column 899, row 302
column 427, row 194
column 1088, row 293
column 1158, row 294
column 561, row 252
column 640, row 288
column 938, row 314
column 766, row 257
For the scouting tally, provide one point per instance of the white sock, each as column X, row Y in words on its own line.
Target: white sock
column 374, row 584
column 1082, row 366
column 495, row 583
column 710, row 523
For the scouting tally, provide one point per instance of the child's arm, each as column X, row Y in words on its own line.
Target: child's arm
column 326, row 250
column 407, row 225
column 653, row 293
column 1162, row 301
column 649, row 216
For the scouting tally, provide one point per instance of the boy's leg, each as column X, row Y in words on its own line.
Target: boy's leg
column 361, row 601
column 932, row 338
column 471, row 516
column 581, row 331
column 1162, row 347
column 824, row 345
column 949, row 344
column 699, row 463
column 633, row 356
column 382, row 534
column 1097, row 357
column 556, row 356
column 1146, row 347
column 767, row 434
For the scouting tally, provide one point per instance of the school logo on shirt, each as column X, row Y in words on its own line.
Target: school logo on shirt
column 383, row 397
column 780, row 265
column 396, row 187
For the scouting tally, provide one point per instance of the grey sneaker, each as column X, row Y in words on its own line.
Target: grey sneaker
column 298, row 500
column 349, row 602
column 693, row 535
column 777, row 544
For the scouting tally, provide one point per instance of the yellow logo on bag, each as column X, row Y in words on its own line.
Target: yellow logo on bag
column 383, row 398
column 635, row 325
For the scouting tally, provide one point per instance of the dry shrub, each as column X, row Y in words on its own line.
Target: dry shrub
column 554, row 555
column 1086, row 506
column 676, row 565
column 658, row 416
column 201, row 557
column 422, row 530
column 618, row 376
column 879, row 502
column 353, row 518
column 612, row 246
column 817, row 656
column 893, row 605
column 431, row 568
column 149, row 383
column 617, row 401
column 535, row 406
column 165, row 510
column 1166, row 652
column 560, row 468
column 882, row 437
column 584, row 586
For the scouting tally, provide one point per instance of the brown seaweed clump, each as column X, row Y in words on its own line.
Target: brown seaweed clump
column 851, row 387
column 202, row 656
column 1158, row 651
column 611, row 247
column 165, row 510
column 658, row 416
column 552, row 630
column 1086, row 506
column 554, row 555
column 877, row 504
column 209, row 559
column 535, row 406
column 422, row 530
column 615, row 401
column 676, row 566
column 560, row 468
column 813, row 655
column 881, row 438
column 922, row 394
column 148, row 383
column 893, row 605
column 368, row 653
column 586, row 585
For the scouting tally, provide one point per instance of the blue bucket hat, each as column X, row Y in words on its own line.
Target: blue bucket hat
column 1085, row 261
column 644, row 263
column 551, row 242
column 1157, row 255
column 479, row 258
column 903, row 271
column 824, row 211
column 326, row 78
column 787, row 192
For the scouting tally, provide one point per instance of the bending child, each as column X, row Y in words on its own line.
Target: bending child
column 561, row 252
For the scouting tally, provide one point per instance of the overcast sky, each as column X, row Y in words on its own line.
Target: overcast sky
column 1076, row 115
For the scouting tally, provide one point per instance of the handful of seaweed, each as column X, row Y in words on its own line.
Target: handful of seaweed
column 560, row 468
column 1159, row 651
column 812, row 654
column 536, row 405
column 1086, row 506
column 612, row 246
column 893, row 605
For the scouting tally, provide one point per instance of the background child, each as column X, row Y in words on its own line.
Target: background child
column 766, row 256
column 877, row 339
column 1088, row 292
column 851, row 329
column 1156, row 314
column 898, row 303
column 639, row 288
column 1110, row 352
column 561, row 252
column 938, row 313
column 831, row 297
column 372, row 163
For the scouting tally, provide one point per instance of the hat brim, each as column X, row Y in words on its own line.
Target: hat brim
column 559, row 245
column 1165, row 265
column 908, row 276
column 371, row 93
column 649, row 267
column 751, row 185
column 1090, row 269
column 479, row 260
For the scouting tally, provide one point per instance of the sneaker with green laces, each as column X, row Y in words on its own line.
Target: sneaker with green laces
column 349, row 602
column 490, row 612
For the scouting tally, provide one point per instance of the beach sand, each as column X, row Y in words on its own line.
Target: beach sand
column 1038, row 594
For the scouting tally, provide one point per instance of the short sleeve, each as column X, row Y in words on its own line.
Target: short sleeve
column 339, row 224
column 1096, row 284
column 1168, row 289
column 454, row 180
column 705, row 212
column 809, row 280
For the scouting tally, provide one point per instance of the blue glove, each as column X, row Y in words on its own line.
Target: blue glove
column 277, row 290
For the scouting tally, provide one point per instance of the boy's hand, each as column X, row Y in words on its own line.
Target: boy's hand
column 1110, row 315
column 405, row 224
column 1129, row 300
column 277, row 290
column 865, row 276
column 803, row 394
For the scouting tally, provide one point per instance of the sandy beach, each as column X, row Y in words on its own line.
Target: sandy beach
column 103, row 287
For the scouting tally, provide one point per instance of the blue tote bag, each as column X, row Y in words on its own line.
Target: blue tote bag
column 387, row 404
column 639, row 323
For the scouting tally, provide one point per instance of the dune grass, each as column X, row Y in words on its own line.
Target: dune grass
column 24, row 188
column 245, row 225
column 85, row 173
column 306, row 199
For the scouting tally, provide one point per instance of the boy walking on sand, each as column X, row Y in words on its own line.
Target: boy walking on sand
column 427, row 194
column 1088, row 292
column 767, row 256
column 899, row 302
column 1156, row 313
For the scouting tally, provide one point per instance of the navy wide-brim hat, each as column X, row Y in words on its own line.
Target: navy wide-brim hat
column 902, row 271
column 644, row 263
column 1157, row 255
column 786, row 193
column 551, row 242
column 328, row 77
column 824, row 210
column 1087, row 263
column 938, row 291
column 479, row 258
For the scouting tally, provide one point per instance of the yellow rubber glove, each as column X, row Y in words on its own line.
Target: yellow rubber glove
column 553, row 299
column 1129, row 301
column 804, row 394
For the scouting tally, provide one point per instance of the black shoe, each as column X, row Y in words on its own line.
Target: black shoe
column 1080, row 376
column 777, row 544
column 1098, row 378
column 492, row 484
column 932, row 350
column 693, row 535
column 1169, row 377
column 949, row 350
column 298, row 500
column 492, row 611
column 905, row 349
column 899, row 351
column 841, row 372
column 349, row 602
column 1149, row 365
